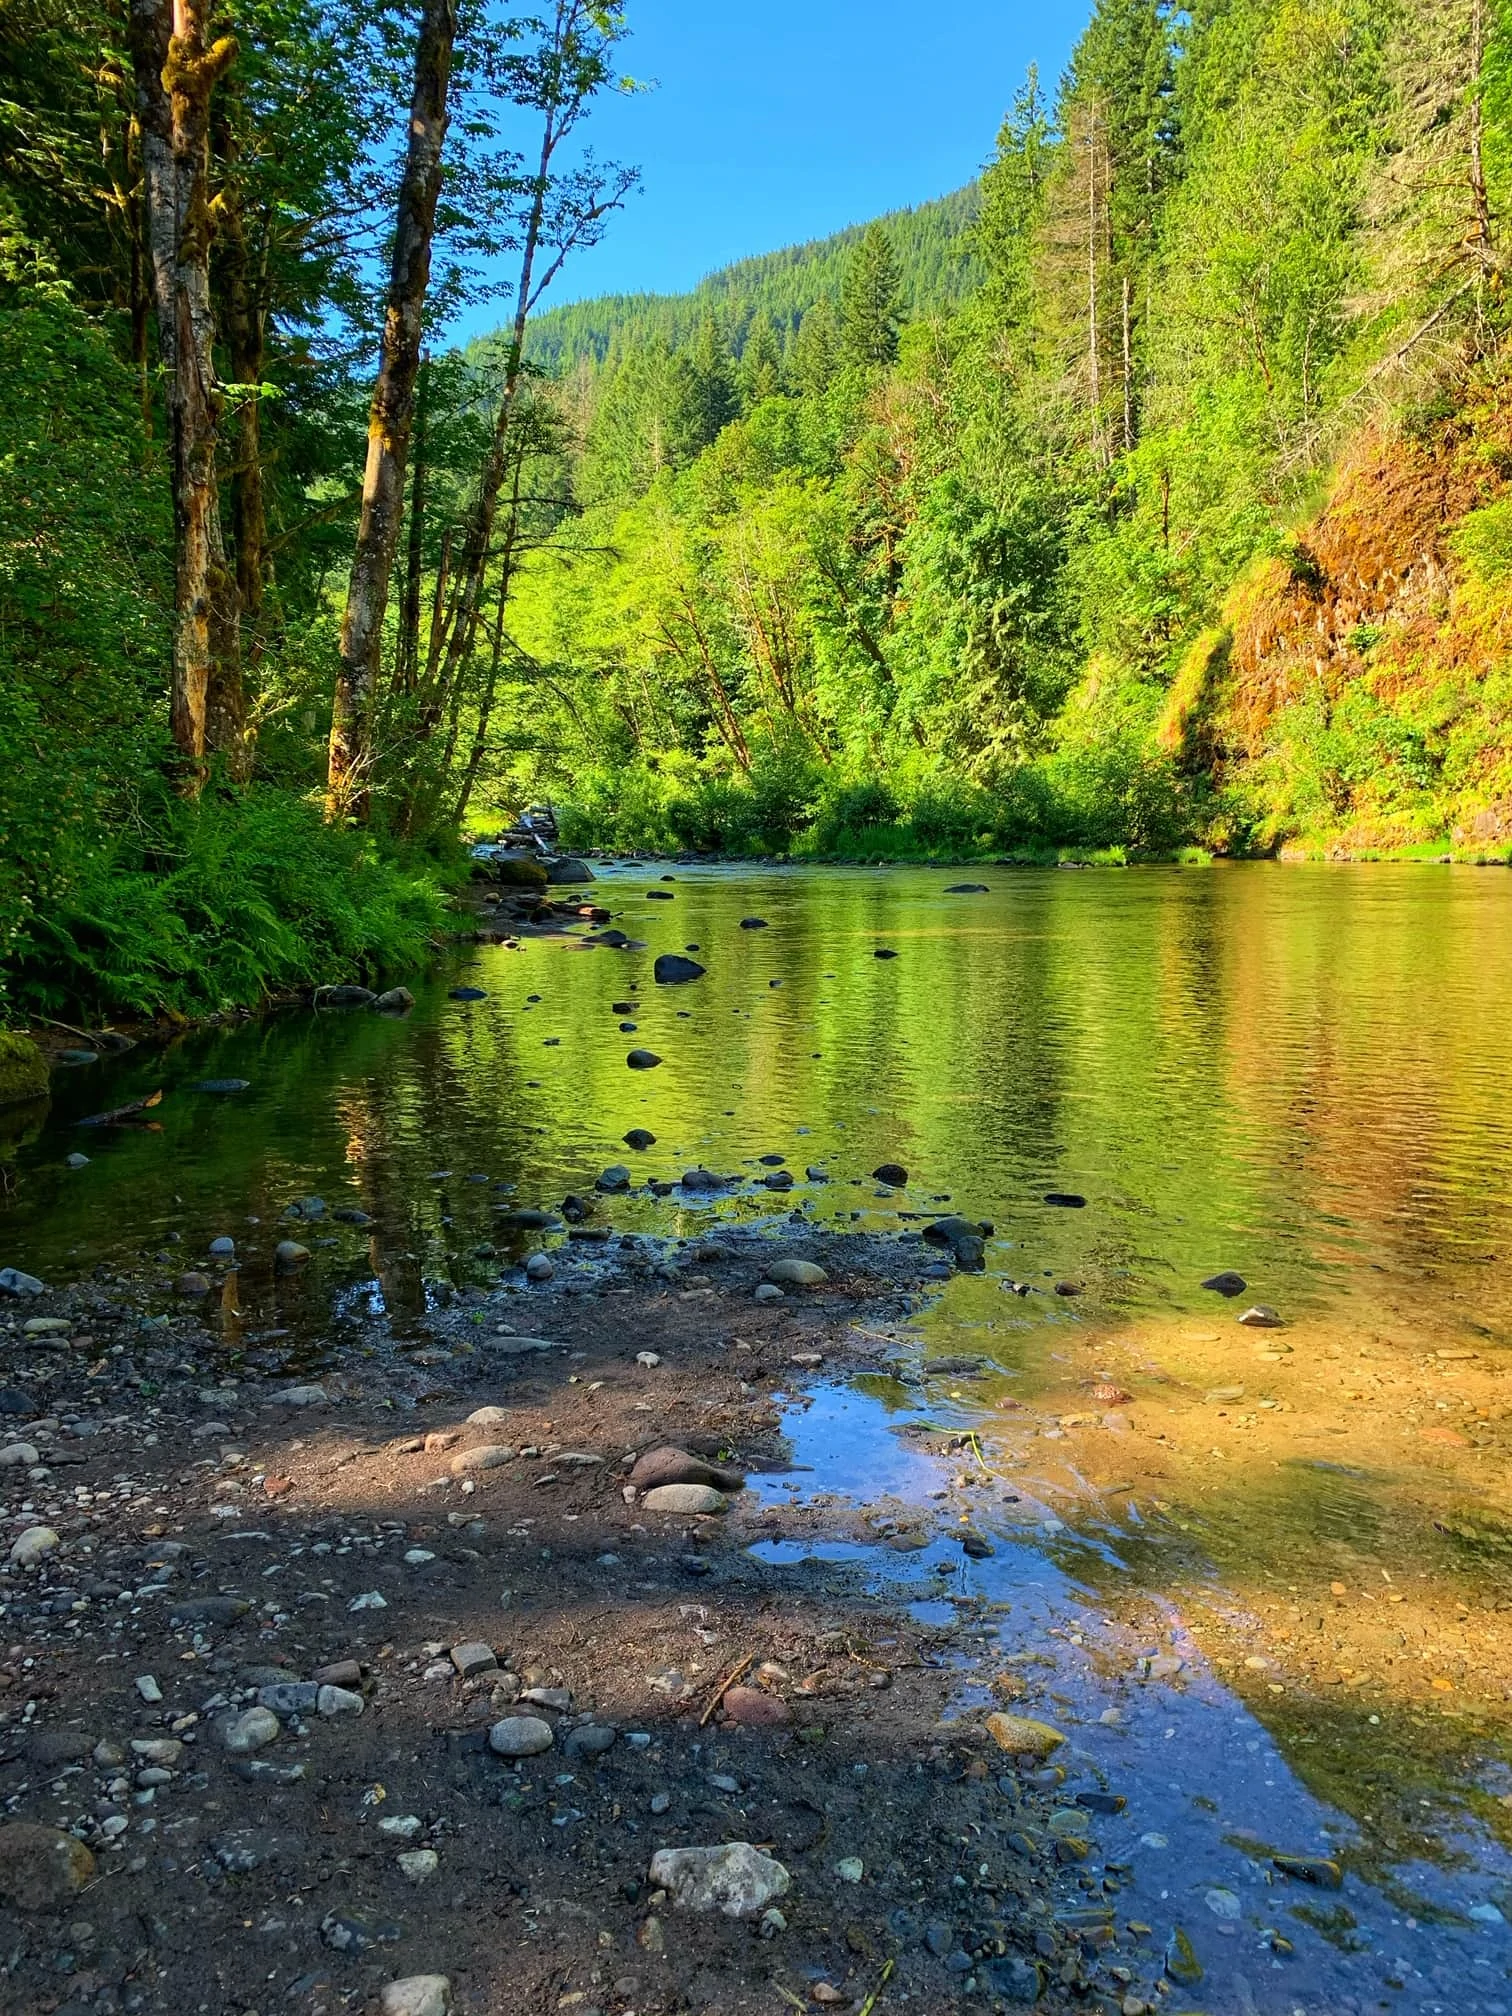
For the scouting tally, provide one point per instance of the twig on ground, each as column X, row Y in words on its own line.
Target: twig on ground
column 723, row 1688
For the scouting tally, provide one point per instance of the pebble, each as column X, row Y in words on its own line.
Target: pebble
column 338, row 1701
column 419, row 1864
column 149, row 1689
column 301, row 1396
column 735, row 1879
column 401, row 1826
column 33, row 1547
column 797, row 1274
column 750, row 1708
column 370, row 1599
column 417, row 1995
column 14, row 1282
column 768, row 1291
column 539, row 1268
column 250, row 1731
column 685, row 1498
column 520, row 1736
column 487, row 1456
column 289, row 1254
column 474, row 1658
column 1022, row 1735
column 1261, row 1317
column 18, row 1456
column 851, row 1869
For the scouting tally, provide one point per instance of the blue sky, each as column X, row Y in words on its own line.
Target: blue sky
column 774, row 123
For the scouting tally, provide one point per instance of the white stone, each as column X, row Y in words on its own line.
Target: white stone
column 419, row 1864
column 301, row 1396
column 769, row 1292
column 149, row 1689
column 417, row 1995
column 368, row 1600
column 488, row 1456
column 252, row 1731
column 401, row 1826
column 520, row 1736
column 34, row 1546
column 18, row 1456
column 647, row 1358
column 685, row 1498
column 797, row 1273
column 736, row 1879
column 338, row 1701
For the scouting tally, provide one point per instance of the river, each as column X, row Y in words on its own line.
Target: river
column 1289, row 1547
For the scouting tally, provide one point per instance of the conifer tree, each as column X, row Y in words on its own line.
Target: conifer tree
column 714, row 378
column 871, row 305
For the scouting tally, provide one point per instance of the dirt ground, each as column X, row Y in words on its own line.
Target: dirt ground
column 221, row 1533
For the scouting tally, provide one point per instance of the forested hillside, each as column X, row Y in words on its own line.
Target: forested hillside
column 1186, row 525
column 1154, row 491
column 932, row 244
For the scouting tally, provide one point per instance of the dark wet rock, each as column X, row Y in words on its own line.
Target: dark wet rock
column 623, row 1007
column 954, row 1368
column 344, row 997
column 1319, row 1870
column 468, row 994
column 781, row 1179
column 884, row 952
column 192, row 1284
column 672, row 970
column 643, row 1060
column 977, row 1546
column 815, row 1174
column 966, row 889
column 591, row 1740
column 962, row 1239
column 938, row 1939
column 529, row 1219
column 575, row 1209
column 306, row 1207
column 1068, row 1288
column 42, row 1868
column 18, row 1404
column 1067, row 1200
column 702, row 1179
column 613, row 1180
column 640, row 1138
column 289, row 1697
column 1015, row 1979
column 891, row 1172
column 567, row 869
column 669, row 1465
column 76, row 1058
column 1228, row 1283
column 349, row 1215
column 660, row 896
column 1102, row 1802
column 396, row 1001
column 288, row 1255
column 220, row 1085
column 345, row 1932
column 221, row 1610
column 753, row 924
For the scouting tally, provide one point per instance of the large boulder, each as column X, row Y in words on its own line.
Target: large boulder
column 668, row 1465
column 23, row 1069
column 517, row 871
column 42, row 1868
column 567, row 869
column 736, row 1878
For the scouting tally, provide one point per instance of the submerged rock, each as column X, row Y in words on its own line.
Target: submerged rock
column 643, row 1060
column 753, row 923
column 963, row 1239
column 672, row 970
column 892, row 1173
column 1023, row 1735
column 640, row 1138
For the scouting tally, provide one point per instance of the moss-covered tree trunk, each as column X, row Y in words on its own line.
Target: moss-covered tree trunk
column 177, row 67
column 349, row 780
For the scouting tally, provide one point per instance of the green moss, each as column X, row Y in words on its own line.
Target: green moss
column 23, row 1069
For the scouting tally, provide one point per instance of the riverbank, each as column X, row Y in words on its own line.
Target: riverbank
column 440, row 1528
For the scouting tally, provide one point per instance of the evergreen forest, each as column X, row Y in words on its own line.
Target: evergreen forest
column 1152, row 493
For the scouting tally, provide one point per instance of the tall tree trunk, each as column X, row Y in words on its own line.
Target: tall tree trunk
column 176, row 69
column 348, row 778
column 246, row 327
column 407, row 651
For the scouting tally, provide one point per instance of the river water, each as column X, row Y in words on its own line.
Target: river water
column 1264, row 1572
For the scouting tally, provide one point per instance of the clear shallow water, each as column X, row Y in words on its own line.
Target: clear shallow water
column 1300, row 1073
